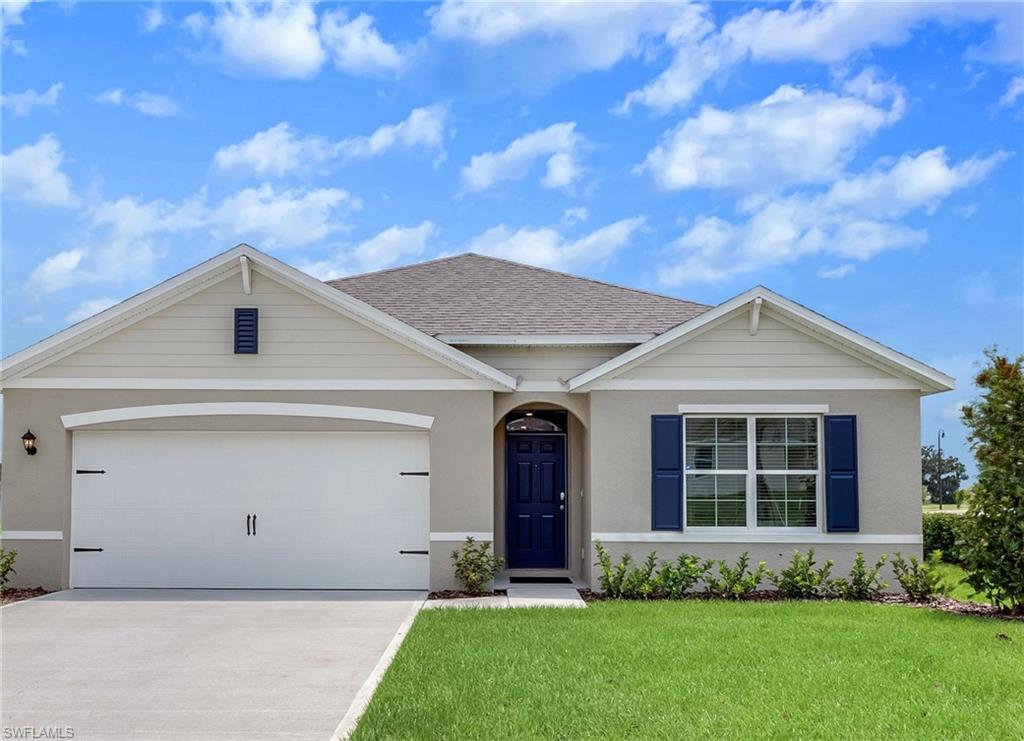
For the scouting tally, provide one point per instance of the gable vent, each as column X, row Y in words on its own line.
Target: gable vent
column 247, row 331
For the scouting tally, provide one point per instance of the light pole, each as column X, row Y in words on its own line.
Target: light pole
column 942, row 434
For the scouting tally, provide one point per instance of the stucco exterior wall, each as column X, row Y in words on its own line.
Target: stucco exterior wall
column 37, row 489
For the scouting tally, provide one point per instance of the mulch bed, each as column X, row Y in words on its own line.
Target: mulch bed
column 945, row 604
column 462, row 594
column 17, row 594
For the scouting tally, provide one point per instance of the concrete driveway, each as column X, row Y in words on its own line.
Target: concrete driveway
column 184, row 664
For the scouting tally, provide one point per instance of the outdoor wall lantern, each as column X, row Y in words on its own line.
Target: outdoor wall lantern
column 29, row 441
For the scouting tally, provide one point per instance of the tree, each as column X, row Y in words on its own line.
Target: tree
column 993, row 528
column 941, row 475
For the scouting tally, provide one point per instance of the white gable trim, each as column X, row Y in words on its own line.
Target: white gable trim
column 927, row 379
column 246, row 408
column 227, row 263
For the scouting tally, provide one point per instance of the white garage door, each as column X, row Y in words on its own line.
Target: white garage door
column 282, row 510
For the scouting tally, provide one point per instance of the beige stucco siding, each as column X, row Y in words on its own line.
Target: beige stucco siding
column 545, row 363
column 299, row 338
column 37, row 489
column 888, row 431
column 729, row 352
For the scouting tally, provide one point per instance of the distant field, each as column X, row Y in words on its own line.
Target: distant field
column 945, row 508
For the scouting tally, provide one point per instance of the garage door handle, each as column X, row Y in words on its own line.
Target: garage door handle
column 415, row 553
column 248, row 520
column 254, row 524
column 88, row 550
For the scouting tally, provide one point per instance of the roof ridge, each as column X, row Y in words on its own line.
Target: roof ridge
column 528, row 267
column 398, row 268
column 588, row 279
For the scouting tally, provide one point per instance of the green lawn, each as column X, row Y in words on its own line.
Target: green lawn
column 702, row 670
column 953, row 585
column 945, row 508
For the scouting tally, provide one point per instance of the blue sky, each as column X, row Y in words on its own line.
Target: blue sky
column 863, row 159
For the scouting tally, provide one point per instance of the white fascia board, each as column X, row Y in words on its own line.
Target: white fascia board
column 246, row 408
column 192, row 280
column 929, row 380
column 545, row 340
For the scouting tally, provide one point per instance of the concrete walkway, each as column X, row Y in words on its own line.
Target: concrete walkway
column 196, row 665
column 519, row 595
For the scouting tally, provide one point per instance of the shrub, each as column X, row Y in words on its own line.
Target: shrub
column 863, row 582
column 800, row 580
column 6, row 566
column 651, row 579
column 734, row 582
column 993, row 528
column 675, row 578
column 943, row 532
column 475, row 565
column 919, row 580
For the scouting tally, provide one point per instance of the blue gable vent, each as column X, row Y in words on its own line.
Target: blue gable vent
column 247, row 331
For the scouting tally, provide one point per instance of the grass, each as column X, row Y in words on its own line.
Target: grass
column 696, row 669
column 945, row 508
column 953, row 584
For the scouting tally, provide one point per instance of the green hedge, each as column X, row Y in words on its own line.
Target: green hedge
column 941, row 532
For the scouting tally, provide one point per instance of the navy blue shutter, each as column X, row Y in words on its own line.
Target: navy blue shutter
column 666, row 472
column 841, row 509
column 247, row 331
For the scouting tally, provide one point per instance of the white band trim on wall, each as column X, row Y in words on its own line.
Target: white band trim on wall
column 753, row 408
column 247, row 408
column 459, row 537
column 254, row 384
column 704, row 537
column 32, row 535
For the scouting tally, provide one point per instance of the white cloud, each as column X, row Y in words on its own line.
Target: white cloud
column 423, row 128
column 277, row 39
column 89, row 308
column 144, row 102
column 581, row 36
column 290, row 218
column 152, row 18
column 276, row 151
column 839, row 271
column 545, row 247
column 1014, row 90
column 32, row 174
column 826, row 33
column 914, row 181
column 855, row 219
column 21, row 104
column 793, row 136
column 575, row 215
column 280, row 149
column 391, row 246
column 559, row 143
column 356, row 46
column 11, row 11
column 55, row 272
column 124, row 238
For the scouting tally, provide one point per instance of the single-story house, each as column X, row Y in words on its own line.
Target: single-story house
column 246, row 425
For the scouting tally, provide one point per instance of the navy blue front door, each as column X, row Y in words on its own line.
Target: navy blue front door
column 535, row 492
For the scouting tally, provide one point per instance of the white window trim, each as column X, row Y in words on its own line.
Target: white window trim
column 752, row 472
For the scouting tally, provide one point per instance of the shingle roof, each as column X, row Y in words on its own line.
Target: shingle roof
column 478, row 295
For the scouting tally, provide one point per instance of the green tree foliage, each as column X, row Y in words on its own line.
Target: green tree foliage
column 993, row 529
column 941, row 475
